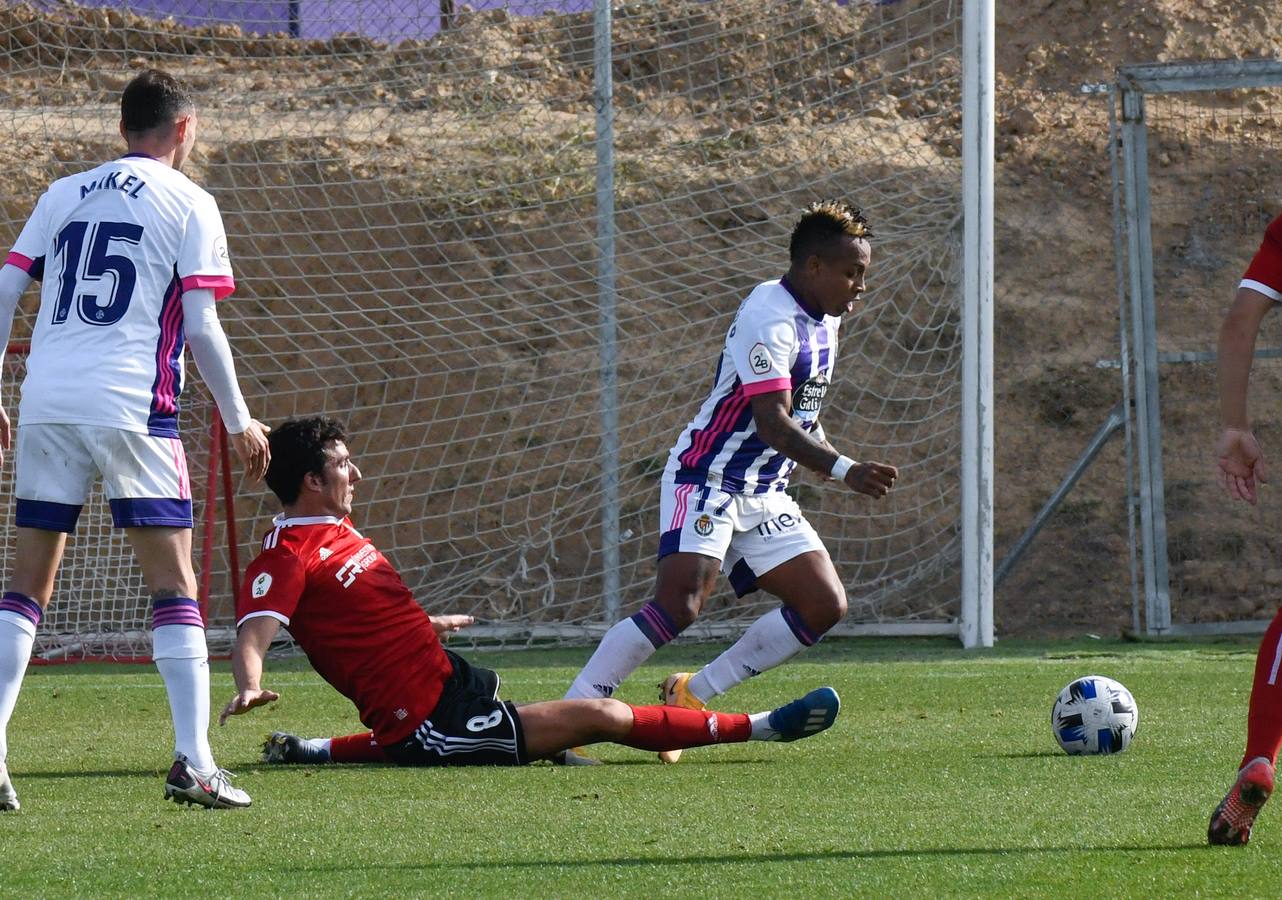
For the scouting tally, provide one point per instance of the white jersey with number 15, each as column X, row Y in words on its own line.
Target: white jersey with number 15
column 114, row 248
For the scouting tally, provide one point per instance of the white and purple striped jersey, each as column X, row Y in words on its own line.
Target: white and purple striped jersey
column 776, row 343
column 114, row 248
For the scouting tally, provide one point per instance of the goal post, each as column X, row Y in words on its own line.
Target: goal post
column 1201, row 146
column 977, row 438
column 503, row 244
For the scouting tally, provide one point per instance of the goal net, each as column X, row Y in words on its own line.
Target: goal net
column 411, row 196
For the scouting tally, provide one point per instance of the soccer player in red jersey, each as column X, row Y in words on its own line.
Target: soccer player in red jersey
column 350, row 612
column 1240, row 470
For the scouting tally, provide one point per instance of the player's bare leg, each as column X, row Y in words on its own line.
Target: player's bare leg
column 182, row 657
column 36, row 558
column 813, row 602
column 683, row 583
column 164, row 555
column 555, row 725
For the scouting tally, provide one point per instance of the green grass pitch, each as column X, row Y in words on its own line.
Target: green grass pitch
column 940, row 779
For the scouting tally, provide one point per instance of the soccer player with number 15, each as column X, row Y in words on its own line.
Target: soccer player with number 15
column 132, row 257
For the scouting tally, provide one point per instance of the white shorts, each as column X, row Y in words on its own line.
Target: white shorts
column 144, row 477
column 750, row 533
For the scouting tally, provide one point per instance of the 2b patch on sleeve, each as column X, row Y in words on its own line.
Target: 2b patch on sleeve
column 262, row 584
column 759, row 360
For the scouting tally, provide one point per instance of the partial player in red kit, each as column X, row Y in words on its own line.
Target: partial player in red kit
column 350, row 612
column 1240, row 469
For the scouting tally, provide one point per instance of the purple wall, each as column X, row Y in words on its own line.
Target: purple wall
column 387, row 20
column 395, row 20
column 251, row 15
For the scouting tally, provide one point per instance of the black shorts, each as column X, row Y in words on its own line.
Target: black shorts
column 470, row 726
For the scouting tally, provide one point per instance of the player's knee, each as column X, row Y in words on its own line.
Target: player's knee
column 839, row 606
column 682, row 599
column 829, row 608
column 683, row 610
column 683, row 584
column 612, row 718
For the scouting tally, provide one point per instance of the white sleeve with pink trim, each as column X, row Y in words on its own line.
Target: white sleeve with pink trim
column 209, row 347
column 763, row 344
column 28, row 253
column 203, row 259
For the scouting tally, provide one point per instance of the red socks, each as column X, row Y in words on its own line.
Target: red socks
column 1264, row 720
column 674, row 728
column 356, row 748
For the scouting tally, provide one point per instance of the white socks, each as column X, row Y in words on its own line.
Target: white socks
column 621, row 651
column 180, row 655
column 768, row 642
column 761, row 730
column 183, row 660
column 774, row 638
column 17, row 634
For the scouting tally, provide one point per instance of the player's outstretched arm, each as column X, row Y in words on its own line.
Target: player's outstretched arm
column 252, row 448
column 212, row 353
column 444, row 625
column 1240, row 464
column 252, row 640
column 1239, row 461
column 777, row 427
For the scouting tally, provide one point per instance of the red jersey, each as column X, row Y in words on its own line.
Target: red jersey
column 358, row 623
column 1265, row 272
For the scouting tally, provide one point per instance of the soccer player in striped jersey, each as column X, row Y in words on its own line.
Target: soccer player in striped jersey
column 1240, row 470
column 131, row 256
column 722, row 503
column 350, row 612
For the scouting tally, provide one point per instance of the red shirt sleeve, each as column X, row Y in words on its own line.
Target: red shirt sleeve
column 273, row 586
column 1266, row 267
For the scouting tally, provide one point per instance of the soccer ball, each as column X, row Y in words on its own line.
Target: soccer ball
column 1094, row 715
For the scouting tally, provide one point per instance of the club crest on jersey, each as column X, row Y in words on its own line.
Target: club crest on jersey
column 759, row 359
column 703, row 525
column 808, row 397
column 262, row 584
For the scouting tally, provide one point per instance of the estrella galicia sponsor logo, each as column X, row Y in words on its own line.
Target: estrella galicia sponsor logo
column 808, row 397
column 703, row 525
column 759, row 359
column 262, row 584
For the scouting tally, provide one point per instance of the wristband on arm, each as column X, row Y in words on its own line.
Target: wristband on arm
column 841, row 467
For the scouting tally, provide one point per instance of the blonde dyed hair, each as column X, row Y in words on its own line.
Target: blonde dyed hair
column 821, row 224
